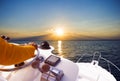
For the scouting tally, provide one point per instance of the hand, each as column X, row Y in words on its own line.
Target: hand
column 33, row 44
column 5, row 37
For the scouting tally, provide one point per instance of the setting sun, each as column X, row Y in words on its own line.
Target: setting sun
column 59, row 31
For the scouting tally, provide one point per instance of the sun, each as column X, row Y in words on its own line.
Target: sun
column 59, row 31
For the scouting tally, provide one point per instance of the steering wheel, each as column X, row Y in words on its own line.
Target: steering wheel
column 20, row 67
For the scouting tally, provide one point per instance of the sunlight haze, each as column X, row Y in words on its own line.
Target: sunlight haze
column 93, row 18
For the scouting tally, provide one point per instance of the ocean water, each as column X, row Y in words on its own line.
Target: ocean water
column 72, row 50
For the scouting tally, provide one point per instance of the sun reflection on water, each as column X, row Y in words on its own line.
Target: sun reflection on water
column 60, row 48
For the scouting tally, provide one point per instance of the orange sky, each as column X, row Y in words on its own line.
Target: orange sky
column 76, row 17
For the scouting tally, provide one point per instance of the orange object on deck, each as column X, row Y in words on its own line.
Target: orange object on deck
column 14, row 54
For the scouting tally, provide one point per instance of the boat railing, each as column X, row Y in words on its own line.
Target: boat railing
column 96, row 56
column 109, row 62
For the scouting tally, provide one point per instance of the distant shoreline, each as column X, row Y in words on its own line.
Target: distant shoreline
column 64, row 40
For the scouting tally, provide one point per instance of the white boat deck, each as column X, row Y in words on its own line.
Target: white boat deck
column 69, row 68
column 90, row 72
column 72, row 71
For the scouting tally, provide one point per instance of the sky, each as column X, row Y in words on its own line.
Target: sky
column 97, row 18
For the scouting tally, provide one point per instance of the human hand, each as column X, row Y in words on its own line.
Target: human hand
column 33, row 44
column 5, row 37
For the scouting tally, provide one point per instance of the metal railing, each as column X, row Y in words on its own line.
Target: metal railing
column 99, row 57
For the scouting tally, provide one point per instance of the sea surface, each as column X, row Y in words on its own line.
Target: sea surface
column 73, row 50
